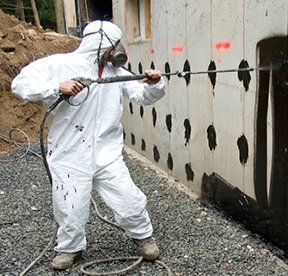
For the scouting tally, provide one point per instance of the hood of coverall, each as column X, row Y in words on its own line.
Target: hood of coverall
column 92, row 39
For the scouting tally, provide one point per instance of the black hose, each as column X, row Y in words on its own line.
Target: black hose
column 42, row 126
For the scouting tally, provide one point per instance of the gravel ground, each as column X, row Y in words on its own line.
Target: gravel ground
column 194, row 238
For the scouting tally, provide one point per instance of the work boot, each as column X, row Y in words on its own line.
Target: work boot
column 65, row 260
column 147, row 248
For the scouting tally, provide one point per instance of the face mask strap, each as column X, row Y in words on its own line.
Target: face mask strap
column 99, row 48
column 102, row 33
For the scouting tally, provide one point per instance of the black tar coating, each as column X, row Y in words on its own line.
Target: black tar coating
column 154, row 115
column 167, row 70
column 187, row 68
column 169, row 122
column 187, row 126
column 170, row 162
column 156, row 154
column 211, row 136
column 212, row 76
column 244, row 75
column 243, row 149
column 189, row 172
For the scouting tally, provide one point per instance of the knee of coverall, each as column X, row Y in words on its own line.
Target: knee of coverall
column 116, row 187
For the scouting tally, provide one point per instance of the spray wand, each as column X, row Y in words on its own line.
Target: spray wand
column 180, row 74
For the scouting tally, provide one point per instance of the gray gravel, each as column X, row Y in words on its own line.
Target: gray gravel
column 194, row 238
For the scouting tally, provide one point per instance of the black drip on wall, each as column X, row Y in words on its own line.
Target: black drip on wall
column 132, row 139
column 156, row 154
column 243, row 147
column 167, row 70
column 141, row 111
column 211, row 136
column 129, row 67
column 140, row 68
column 212, row 75
column 187, row 68
column 131, row 108
column 143, row 145
column 244, row 75
column 187, row 132
column 189, row 172
column 169, row 122
column 154, row 116
column 170, row 162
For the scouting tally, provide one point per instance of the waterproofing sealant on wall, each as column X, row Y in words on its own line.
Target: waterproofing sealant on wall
column 240, row 140
column 267, row 214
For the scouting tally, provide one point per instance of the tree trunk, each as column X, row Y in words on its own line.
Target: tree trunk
column 59, row 13
column 86, row 11
column 20, row 10
column 35, row 13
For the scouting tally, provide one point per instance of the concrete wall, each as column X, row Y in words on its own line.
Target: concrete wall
column 196, row 33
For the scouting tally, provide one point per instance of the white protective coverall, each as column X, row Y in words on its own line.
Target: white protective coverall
column 85, row 142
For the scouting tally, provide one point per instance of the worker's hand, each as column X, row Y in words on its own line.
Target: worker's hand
column 70, row 87
column 153, row 76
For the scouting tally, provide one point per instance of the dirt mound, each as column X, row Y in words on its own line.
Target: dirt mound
column 21, row 43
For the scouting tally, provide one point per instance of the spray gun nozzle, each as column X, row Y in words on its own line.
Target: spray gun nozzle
column 181, row 74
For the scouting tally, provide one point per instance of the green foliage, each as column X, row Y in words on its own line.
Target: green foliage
column 46, row 13
column 45, row 10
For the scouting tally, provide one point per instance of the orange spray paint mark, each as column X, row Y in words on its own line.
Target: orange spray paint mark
column 223, row 45
column 218, row 46
column 177, row 49
column 226, row 45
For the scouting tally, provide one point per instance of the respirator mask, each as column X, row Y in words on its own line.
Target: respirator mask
column 115, row 54
column 118, row 55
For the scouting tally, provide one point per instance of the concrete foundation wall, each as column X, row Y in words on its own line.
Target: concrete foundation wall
column 173, row 132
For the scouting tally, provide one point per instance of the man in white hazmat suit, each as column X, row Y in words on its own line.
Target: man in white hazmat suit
column 85, row 141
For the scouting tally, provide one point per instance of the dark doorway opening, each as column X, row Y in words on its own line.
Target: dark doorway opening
column 100, row 10
column 90, row 10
